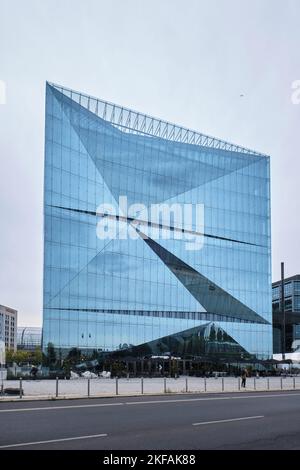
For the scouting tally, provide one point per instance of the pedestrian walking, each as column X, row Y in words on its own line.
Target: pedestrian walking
column 244, row 377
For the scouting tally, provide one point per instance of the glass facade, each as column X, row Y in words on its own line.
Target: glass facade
column 115, row 293
column 205, row 340
column 291, row 295
column 292, row 317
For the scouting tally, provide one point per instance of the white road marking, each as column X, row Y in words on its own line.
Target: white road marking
column 53, row 440
column 211, row 398
column 150, row 402
column 227, row 420
column 98, row 405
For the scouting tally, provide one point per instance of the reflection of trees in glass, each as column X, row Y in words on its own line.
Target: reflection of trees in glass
column 51, row 355
column 202, row 340
column 74, row 356
column 227, row 338
column 212, row 334
column 220, row 335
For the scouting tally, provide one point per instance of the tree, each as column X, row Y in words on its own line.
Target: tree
column 37, row 356
column 17, row 356
column 212, row 335
column 51, row 355
column 117, row 368
column 94, row 355
column 9, row 356
column 220, row 335
column 21, row 357
column 74, row 356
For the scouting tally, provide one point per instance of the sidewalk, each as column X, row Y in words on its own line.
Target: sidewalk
column 109, row 388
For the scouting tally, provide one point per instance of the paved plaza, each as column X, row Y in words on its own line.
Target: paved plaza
column 100, row 387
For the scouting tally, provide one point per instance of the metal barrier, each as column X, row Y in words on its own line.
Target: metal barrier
column 60, row 388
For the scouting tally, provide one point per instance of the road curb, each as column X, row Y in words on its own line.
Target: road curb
column 134, row 395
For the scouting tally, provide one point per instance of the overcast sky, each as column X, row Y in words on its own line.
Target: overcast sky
column 186, row 61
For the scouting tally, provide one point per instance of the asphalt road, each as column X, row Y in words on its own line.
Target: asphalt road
column 229, row 421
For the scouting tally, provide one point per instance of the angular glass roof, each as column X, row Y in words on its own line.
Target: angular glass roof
column 127, row 120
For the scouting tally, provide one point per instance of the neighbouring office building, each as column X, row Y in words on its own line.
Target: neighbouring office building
column 292, row 315
column 8, row 327
column 29, row 337
column 156, row 237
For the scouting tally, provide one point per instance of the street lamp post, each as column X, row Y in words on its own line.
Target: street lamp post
column 283, row 342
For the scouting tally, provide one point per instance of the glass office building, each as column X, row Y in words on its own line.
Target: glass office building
column 121, row 277
column 292, row 315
